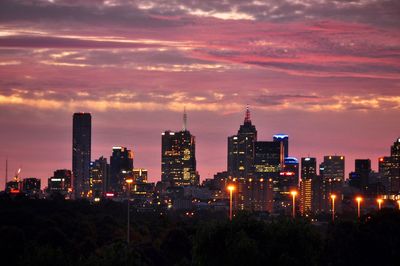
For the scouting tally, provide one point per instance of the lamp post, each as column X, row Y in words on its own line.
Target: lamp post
column 294, row 193
column 359, row 199
column 333, row 197
column 129, row 182
column 379, row 203
column 231, row 188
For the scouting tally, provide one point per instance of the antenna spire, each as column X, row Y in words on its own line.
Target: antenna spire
column 247, row 117
column 184, row 119
column 6, row 178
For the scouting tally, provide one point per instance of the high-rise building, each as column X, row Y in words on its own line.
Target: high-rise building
column 241, row 149
column 389, row 168
column 332, row 171
column 60, row 181
column 178, row 158
column 81, row 151
column 308, row 176
column 283, row 140
column 267, row 159
column 289, row 175
column 360, row 177
column 333, row 167
column 121, row 166
column 99, row 177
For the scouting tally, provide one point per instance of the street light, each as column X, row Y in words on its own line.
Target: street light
column 231, row 188
column 294, row 193
column 379, row 203
column 129, row 182
column 333, row 197
column 358, row 199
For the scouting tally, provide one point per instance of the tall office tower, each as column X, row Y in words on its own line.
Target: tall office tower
column 389, row 168
column 360, row 177
column 178, row 158
column 81, row 149
column 283, row 139
column 99, row 177
column 289, row 175
column 266, row 159
column 334, row 167
column 60, row 181
column 241, row 149
column 121, row 166
column 332, row 171
column 395, row 149
column 308, row 176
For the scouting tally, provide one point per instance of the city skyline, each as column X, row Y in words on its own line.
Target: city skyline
column 349, row 164
column 325, row 73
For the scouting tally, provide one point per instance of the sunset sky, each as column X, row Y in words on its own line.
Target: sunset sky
column 325, row 72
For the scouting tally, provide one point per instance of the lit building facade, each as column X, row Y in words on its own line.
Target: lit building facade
column 332, row 171
column 308, row 177
column 241, row 149
column 283, row 140
column 60, row 181
column 99, row 177
column 178, row 158
column 121, row 166
column 389, row 168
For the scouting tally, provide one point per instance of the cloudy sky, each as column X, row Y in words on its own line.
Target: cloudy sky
column 325, row 72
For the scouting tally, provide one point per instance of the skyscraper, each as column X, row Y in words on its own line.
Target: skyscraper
column 81, row 151
column 60, row 181
column 333, row 167
column 332, row 171
column 267, row 159
column 121, row 166
column 389, row 168
column 241, row 149
column 178, row 157
column 283, row 139
column 360, row 177
column 99, row 177
column 308, row 176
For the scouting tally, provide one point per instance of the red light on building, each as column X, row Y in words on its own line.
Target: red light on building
column 287, row 173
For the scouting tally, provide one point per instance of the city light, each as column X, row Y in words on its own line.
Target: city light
column 231, row 188
column 293, row 193
column 333, row 197
column 359, row 199
column 380, row 201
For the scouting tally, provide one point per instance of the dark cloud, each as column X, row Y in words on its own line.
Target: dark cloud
column 59, row 42
column 278, row 99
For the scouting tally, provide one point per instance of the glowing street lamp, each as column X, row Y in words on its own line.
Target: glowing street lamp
column 294, row 193
column 129, row 182
column 333, row 197
column 398, row 203
column 231, row 188
column 380, row 201
column 359, row 199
